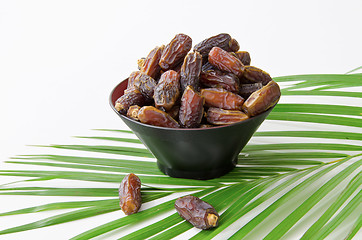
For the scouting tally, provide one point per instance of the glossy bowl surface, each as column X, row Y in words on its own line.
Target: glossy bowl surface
column 198, row 153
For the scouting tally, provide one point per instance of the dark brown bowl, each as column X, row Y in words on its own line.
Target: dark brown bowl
column 197, row 153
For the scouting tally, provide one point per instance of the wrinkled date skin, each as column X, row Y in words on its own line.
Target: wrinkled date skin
column 133, row 112
column 262, row 99
column 218, row 116
column 225, row 61
column 216, row 78
column 221, row 40
column 150, row 65
column 254, row 74
column 153, row 116
column 167, row 90
column 132, row 96
column 131, row 78
column 221, row 98
column 146, row 85
column 233, row 46
column 248, row 88
column 130, row 194
column 192, row 108
column 175, row 51
column 190, row 71
column 244, row 57
column 197, row 212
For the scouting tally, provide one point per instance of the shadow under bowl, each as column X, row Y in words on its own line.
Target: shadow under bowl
column 195, row 153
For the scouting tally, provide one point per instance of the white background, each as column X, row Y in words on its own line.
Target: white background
column 59, row 60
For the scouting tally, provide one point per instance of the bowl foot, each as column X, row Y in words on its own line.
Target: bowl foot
column 201, row 175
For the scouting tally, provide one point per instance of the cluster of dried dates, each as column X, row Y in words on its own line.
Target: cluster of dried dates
column 194, row 210
column 212, row 85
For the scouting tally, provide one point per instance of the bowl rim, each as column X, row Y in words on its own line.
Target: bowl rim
column 182, row 129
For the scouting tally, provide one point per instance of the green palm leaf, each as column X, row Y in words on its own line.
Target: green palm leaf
column 301, row 170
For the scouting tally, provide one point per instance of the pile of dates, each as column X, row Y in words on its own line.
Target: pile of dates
column 210, row 86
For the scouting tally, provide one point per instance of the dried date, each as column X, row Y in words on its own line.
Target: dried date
column 156, row 117
column 131, row 97
column 197, row 212
column 175, row 51
column 133, row 112
column 192, row 108
column 190, row 71
column 146, row 85
column 221, row 40
column 167, row 90
column 130, row 194
column 221, row 98
column 216, row 78
column 247, row 89
column 225, row 61
column 150, row 65
column 254, row 74
column 233, row 46
column 131, row 78
column 220, row 116
column 262, row 99
column 244, row 57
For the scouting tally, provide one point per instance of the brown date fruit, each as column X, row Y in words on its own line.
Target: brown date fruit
column 254, row 74
column 220, row 116
column 133, row 112
column 130, row 194
column 197, row 212
column 262, row 99
column 221, row 98
column 192, row 108
column 221, row 40
column 153, row 116
column 167, row 90
column 233, row 46
column 175, row 51
column 190, row 71
column 225, row 61
column 146, row 85
column 217, row 78
column 244, row 57
column 150, row 65
column 131, row 78
column 247, row 89
column 132, row 96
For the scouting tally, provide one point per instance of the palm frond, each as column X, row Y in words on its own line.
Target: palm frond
column 306, row 179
